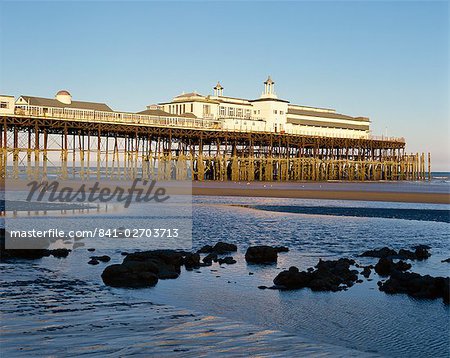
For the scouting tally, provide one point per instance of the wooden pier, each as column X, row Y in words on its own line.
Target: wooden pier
column 38, row 145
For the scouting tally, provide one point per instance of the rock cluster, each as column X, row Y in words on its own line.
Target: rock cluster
column 143, row 269
column 213, row 253
column 386, row 266
column 417, row 285
column 32, row 254
column 328, row 276
column 420, row 253
column 219, row 248
column 261, row 254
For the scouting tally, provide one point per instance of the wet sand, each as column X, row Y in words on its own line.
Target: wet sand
column 161, row 331
column 93, row 320
column 334, row 191
column 404, row 191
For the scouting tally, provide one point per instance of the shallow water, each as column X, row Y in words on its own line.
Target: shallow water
column 57, row 292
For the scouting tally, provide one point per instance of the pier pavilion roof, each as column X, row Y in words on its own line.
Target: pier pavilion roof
column 49, row 102
column 324, row 114
column 161, row 113
column 308, row 122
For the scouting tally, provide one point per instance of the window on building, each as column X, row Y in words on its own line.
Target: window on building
column 275, row 111
column 192, row 107
column 239, row 112
column 254, row 112
column 206, row 109
column 184, row 108
column 4, row 105
column 222, row 111
column 231, row 112
column 281, row 112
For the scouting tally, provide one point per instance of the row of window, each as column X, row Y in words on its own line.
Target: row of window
column 245, row 123
column 223, row 111
column 4, row 105
column 234, row 112
column 180, row 108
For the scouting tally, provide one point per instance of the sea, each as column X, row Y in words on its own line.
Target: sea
column 60, row 307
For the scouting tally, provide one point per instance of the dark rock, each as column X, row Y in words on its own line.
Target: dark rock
column 383, row 252
column 104, row 258
column 223, row 248
column 417, row 286
column 426, row 247
column 208, row 259
column 226, row 260
column 366, row 272
column 91, row 249
column 292, row 279
column 133, row 274
column 59, row 253
column 124, row 253
column 386, row 266
column 205, row 249
column 192, row 261
column 251, row 273
column 422, row 253
column 32, row 254
column 406, row 254
column 359, row 281
column 167, row 262
column 262, row 287
column 328, row 276
column 446, row 260
column 402, row 266
column 93, row 262
column 261, row 254
column 281, row 249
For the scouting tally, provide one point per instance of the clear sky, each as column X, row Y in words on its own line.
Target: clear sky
column 385, row 60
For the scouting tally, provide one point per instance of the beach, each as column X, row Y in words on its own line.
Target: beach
column 64, row 307
column 420, row 192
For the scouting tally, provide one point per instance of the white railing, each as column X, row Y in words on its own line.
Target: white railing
column 115, row 117
column 386, row 138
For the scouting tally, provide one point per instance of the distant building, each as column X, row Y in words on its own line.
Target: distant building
column 63, row 99
column 267, row 113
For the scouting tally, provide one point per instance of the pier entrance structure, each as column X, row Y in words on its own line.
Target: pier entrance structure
column 193, row 137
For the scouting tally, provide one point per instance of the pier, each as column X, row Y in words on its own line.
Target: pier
column 39, row 141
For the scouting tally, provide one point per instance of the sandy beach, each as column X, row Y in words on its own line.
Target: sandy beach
column 374, row 191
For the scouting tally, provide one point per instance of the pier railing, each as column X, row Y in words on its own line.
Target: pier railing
column 115, row 117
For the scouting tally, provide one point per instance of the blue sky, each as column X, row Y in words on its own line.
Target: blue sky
column 385, row 60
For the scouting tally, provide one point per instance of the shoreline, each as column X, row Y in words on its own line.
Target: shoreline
column 405, row 192
column 321, row 191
